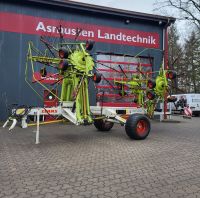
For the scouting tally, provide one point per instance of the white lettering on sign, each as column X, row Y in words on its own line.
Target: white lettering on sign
column 128, row 38
column 63, row 30
column 100, row 35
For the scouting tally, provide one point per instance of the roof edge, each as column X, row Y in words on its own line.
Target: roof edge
column 107, row 10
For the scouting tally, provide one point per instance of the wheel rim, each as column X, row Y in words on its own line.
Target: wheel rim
column 142, row 127
column 150, row 85
column 149, row 96
column 95, row 77
column 170, row 75
column 61, row 53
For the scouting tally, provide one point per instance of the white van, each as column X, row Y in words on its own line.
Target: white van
column 187, row 100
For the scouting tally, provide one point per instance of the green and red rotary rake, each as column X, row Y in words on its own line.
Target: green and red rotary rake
column 74, row 67
column 148, row 92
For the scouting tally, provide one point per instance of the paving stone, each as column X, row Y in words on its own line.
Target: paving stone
column 79, row 162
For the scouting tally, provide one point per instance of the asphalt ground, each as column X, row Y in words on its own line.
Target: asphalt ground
column 80, row 162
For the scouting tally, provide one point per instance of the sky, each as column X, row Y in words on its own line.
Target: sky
column 145, row 6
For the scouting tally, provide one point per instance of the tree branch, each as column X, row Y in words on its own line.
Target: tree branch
column 189, row 8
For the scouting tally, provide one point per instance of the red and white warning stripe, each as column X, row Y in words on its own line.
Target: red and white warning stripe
column 187, row 111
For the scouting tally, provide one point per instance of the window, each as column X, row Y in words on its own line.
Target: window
column 196, row 100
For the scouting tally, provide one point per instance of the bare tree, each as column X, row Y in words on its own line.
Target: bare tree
column 188, row 9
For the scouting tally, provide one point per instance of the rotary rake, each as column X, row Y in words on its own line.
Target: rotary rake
column 148, row 91
column 73, row 67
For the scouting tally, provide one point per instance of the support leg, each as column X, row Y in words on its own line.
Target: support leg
column 37, row 140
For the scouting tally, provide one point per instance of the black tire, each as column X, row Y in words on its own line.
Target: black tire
column 89, row 45
column 135, row 100
column 150, row 95
column 103, row 125
column 171, row 75
column 97, row 77
column 195, row 114
column 63, row 53
column 137, row 126
column 63, row 65
column 151, row 84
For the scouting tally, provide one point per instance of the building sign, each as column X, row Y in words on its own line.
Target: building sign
column 25, row 24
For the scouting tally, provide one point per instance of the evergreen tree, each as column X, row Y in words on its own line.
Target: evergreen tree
column 192, row 62
column 175, row 57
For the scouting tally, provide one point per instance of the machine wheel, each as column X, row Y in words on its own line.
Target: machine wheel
column 195, row 114
column 151, row 95
column 137, row 126
column 103, row 125
column 89, row 45
column 151, row 84
column 97, row 77
column 63, row 65
column 171, row 75
column 63, row 53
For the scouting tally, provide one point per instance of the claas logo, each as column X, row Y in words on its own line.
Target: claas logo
column 49, row 111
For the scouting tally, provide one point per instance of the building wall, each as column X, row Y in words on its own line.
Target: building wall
column 15, row 34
